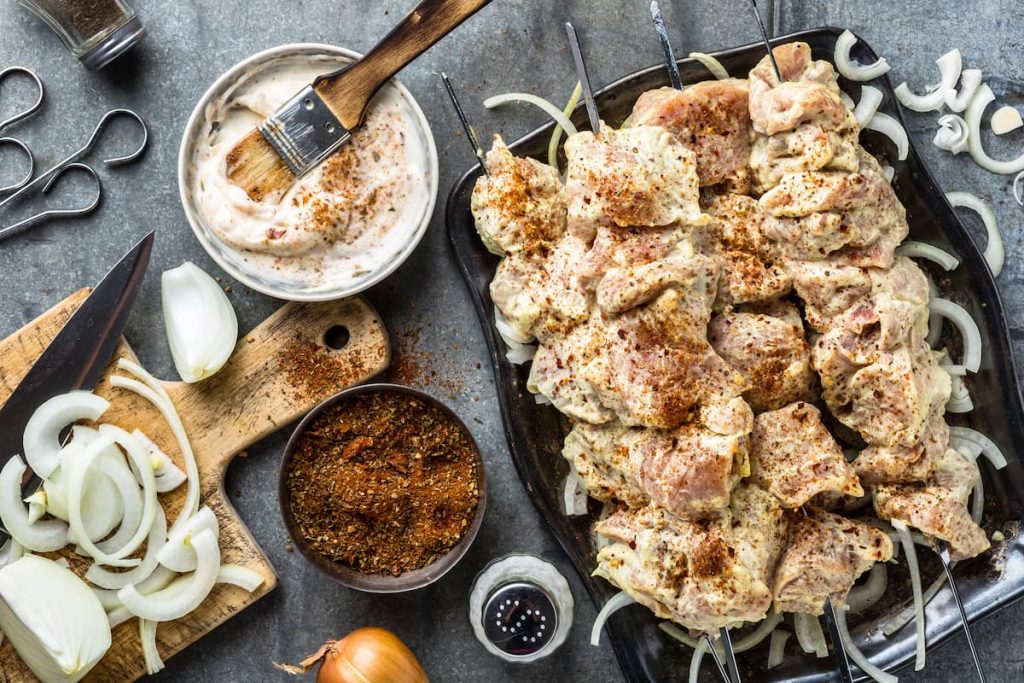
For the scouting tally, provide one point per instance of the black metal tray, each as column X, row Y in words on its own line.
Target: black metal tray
column 535, row 432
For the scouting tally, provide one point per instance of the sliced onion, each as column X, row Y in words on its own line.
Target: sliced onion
column 673, row 631
column 549, row 109
column 959, row 405
column 952, row 134
column 995, row 254
column 556, row 134
column 236, row 575
column 949, row 65
column 155, row 393
column 871, row 591
column 126, row 490
column 870, row 100
column 892, row 129
column 970, row 82
column 988, row 447
column 915, row 583
column 757, row 636
column 978, row 500
column 201, row 325
column 11, row 551
column 809, row 634
column 1018, row 188
column 856, row 655
column 518, row 354
column 137, row 531
column 40, row 537
column 896, row 621
column 178, row 553
column 851, row 69
column 777, row 648
column 847, row 100
column 889, row 172
column 117, row 613
column 542, row 400
column 150, row 654
column 574, row 493
column 975, row 111
column 711, row 64
column 934, row 319
column 168, row 475
column 696, row 659
column 615, row 603
column 173, row 603
column 105, row 578
column 36, row 506
column 42, row 433
column 912, row 249
column 1005, row 120
column 968, row 329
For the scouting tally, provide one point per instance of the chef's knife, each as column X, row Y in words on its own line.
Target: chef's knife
column 77, row 356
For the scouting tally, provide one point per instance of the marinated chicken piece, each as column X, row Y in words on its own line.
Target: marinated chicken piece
column 626, row 288
column 823, row 558
column 557, row 372
column 658, row 368
column 752, row 266
column 690, row 470
column 633, row 177
column 808, row 93
column 888, row 401
column 521, row 205
column 900, row 464
column 828, row 290
column 616, row 248
column 759, row 529
column 795, row 457
column 539, row 292
column 710, row 118
column 689, row 572
column 770, row 352
column 936, row 511
column 853, row 217
column 808, row 147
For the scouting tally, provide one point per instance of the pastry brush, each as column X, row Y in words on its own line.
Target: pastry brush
column 321, row 117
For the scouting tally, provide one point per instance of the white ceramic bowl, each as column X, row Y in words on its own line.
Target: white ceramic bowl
column 229, row 257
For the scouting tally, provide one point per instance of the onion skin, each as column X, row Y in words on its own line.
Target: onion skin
column 367, row 655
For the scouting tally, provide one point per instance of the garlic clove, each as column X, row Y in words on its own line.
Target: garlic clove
column 201, row 325
column 1006, row 119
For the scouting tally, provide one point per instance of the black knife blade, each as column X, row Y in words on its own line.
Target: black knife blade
column 80, row 352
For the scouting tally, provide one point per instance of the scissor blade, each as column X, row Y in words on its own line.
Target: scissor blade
column 947, row 564
column 842, row 661
column 77, row 356
column 584, row 78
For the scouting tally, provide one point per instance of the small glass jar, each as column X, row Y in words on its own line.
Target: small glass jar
column 96, row 31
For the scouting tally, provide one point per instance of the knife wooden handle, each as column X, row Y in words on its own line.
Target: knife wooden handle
column 348, row 92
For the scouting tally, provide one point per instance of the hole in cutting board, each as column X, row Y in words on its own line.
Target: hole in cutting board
column 336, row 337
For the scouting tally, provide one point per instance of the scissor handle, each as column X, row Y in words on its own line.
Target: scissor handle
column 31, row 165
column 32, row 108
column 60, row 213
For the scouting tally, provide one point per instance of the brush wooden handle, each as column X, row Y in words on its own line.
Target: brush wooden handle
column 347, row 92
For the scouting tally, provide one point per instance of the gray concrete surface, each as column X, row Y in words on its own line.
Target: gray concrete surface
column 512, row 45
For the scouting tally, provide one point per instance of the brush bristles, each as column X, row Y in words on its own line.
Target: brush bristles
column 255, row 166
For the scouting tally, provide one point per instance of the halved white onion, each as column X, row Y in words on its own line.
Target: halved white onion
column 988, row 447
column 912, row 249
column 892, row 129
column 969, row 332
column 104, row 578
column 549, row 109
column 949, row 65
column 995, row 254
column 952, row 134
column 711, row 64
column 970, row 82
column 40, row 537
column 171, row 602
column 851, row 69
column 178, row 553
column 870, row 100
column 975, row 111
column 42, row 433
column 168, row 475
column 615, row 603
column 915, row 583
column 201, row 325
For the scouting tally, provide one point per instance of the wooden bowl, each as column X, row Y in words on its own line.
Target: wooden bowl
column 353, row 578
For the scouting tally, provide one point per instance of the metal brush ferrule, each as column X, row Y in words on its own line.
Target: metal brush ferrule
column 304, row 131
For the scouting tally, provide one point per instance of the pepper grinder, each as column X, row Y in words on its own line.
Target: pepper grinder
column 520, row 608
column 96, row 31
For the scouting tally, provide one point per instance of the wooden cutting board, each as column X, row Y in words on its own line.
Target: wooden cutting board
column 278, row 372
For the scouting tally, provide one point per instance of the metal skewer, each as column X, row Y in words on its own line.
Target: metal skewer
column 767, row 41
column 716, row 658
column 470, row 133
column 842, row 660
column 581, row 74
column 666, row 46
column 947, row 564
column 730, row 655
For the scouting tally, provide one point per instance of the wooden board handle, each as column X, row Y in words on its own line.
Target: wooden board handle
column 347, row 92
column 278, row 372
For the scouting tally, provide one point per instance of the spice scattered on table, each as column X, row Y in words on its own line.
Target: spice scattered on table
column 384, row 483
column 314, row 371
